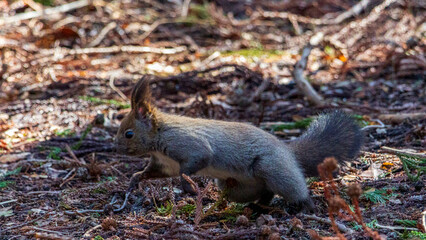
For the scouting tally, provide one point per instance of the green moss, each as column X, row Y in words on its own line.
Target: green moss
column 83, row 136
column 165, row 210
column 65, row 133
column 254, row 52
column 187, row 209
column 197, row 14
column 301, row 124
column 45, row 2
column 199, row 10
column 100, row 101
column 5, row 184
column 54, row 153
column 413, row 235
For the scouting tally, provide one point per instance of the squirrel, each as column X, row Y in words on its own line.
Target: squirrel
column 259, row 163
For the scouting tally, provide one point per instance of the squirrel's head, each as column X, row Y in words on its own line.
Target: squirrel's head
column 137, row 132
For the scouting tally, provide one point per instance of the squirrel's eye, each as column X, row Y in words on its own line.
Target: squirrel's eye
column 129, row 133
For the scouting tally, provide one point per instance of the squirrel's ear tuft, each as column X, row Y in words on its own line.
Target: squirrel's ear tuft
column 141, row 95
column 141, row 102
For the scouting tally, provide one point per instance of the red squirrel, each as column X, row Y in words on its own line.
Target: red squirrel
column 259, row 162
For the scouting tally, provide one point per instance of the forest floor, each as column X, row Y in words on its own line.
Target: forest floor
column 65, row 79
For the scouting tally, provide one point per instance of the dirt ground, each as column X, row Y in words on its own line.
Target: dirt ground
column 66, row 76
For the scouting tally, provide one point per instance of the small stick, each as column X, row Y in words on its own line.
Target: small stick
column 304, row 86
column 382, row 125
column 87, row 234
column 67, row 180
column 400, row 117
column 48, row 11
column 340, row 226
column 185, row 8
column 398, row 151
column 396, row 228
column 74, row 157
column 114, row 49
column 68, row 174
column 124, row 203
column 153, row 27
column 113, row 87
column 8, row 201
column 110, row 26
column 353, row 11
column 41, row 229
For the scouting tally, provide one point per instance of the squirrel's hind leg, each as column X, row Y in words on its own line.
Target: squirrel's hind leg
column 287, row 181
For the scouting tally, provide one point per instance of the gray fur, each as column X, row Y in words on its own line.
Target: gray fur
column 260, row 163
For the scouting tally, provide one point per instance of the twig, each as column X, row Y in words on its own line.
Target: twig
column 8, row 201
column 73, row 156
column 48, row 11
column 88, row 232
column 44, row 192
column 398, row 151
column 340, row 226
column 381, row 125
column 396, row 228
column 41, row 229
column 120, row 93
column 113, row 49
column 400, row 117
column 354, row 11
column 154, row 26
column 295, row 17
column 67, row 180
column 102, row 34
column 185, row 8
column 301, row 81
column 126, row 198
column 68, row 174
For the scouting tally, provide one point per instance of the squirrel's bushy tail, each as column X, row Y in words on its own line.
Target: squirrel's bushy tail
column 334, row 134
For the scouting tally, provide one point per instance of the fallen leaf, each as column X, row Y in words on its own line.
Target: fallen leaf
column 373, row 172
column 387, row 165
